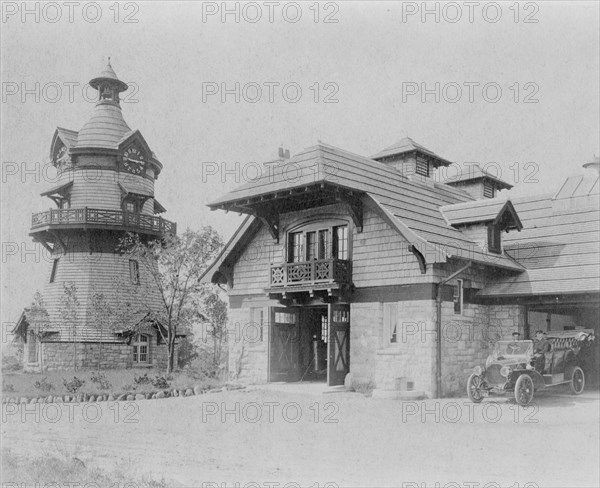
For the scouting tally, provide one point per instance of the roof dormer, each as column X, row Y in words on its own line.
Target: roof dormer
column 483, row 222
column 478, row 183
column 411, row 159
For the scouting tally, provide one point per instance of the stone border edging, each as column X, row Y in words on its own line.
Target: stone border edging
column 155, row 395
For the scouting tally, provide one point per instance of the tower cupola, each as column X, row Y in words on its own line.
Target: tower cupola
column 411, row 159
column 106, row 127
column 108, row 85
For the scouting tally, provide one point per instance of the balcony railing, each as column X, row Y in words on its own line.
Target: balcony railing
column 101, row 217
column 319, row 271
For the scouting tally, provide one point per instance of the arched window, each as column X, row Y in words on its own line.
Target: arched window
column 141, row 349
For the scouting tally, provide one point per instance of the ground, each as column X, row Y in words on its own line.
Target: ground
column 284, row 434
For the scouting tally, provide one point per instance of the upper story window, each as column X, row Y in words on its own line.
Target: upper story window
column 132, row 205
column 318, row 242
column 340, row 242
column 64, row 203
column 494, row 239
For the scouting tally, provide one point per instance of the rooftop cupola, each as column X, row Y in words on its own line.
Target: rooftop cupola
column 411, row 158
column 477, row 182
column 106, row 127
column 108, row 85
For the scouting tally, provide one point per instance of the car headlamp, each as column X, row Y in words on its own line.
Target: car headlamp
column 505, row 371
column 478, row 370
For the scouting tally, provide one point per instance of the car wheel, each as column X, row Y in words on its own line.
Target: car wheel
column 577, row 381
column 475, row 388
column 524, row 390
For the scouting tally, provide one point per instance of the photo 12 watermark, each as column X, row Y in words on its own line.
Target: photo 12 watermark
column 70, row 12
column 470, row 12
column 270, row 12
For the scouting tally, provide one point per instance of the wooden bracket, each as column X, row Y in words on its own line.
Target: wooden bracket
column 59, row 241
column 355, row 208
column 420, row 258
column 271, row 220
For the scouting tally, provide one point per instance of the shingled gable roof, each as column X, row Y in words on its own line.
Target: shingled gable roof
column 559, row 245
column 488, row 210
column 413, row 205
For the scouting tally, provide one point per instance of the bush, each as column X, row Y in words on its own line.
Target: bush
column 43, row 385
column 101, row 380
column 161, row 382
column 74, row 385
column 142, row 380
column 11, row 363
column 7, row 387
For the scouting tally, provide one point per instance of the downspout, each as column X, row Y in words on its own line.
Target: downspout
column 438, row 328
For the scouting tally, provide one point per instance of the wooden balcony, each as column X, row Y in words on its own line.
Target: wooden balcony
column 305, row 275
column 100, row 218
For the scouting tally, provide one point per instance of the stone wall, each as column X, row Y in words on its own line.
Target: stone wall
column 59, row 355
column 248, row 342
column 412, row 356
column 365, row 339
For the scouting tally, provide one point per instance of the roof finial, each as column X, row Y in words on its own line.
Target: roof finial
column 109, row 60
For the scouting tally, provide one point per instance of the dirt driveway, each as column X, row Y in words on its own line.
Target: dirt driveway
column 344, row 439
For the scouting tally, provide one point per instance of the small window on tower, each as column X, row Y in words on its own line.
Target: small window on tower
column 134, row 272
column 130, row 206
column 54, row 269
column 64, row 203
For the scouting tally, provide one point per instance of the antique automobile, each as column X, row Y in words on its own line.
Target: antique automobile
column 513, row 367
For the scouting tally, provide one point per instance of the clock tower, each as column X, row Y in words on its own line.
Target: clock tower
column 105, row 189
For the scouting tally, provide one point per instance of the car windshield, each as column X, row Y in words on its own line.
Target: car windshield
column 513, row 348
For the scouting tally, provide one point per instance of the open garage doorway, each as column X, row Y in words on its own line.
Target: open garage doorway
column 310, row 343
column 570, row 316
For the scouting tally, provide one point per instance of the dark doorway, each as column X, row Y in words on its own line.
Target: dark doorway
column 310, row 343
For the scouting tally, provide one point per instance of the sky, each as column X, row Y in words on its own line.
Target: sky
column 511, row 86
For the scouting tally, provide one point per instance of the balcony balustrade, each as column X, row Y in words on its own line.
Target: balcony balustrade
column 318, row 271
column 97, row 217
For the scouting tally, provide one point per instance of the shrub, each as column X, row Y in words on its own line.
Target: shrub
column 74, row 385
column 8, row 387
column 11, row 363
column 142, row 379
column 161, row 382
column 101, row 380
column 43, row 385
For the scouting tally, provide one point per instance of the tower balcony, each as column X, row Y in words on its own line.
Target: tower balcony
column 97, row 218
column 327, row 275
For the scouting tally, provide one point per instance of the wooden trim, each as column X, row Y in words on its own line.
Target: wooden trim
column 394, row 293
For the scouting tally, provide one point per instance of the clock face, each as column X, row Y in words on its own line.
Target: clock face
column 133, row 160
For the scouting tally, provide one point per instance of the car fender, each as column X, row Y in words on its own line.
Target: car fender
column 538, row 379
